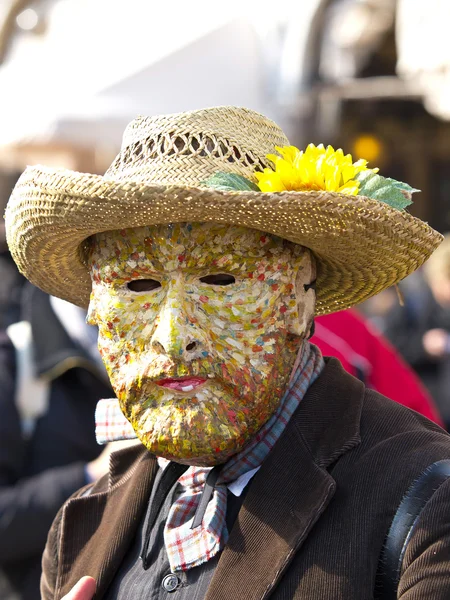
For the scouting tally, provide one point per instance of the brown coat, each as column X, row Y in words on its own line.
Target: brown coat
column 314, row 519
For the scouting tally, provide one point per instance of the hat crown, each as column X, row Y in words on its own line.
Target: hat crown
column 187, row 148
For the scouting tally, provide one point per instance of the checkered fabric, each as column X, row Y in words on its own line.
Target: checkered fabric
column 110, row 423
column 186, row 547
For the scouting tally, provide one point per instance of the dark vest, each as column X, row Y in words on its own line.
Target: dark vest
column 133, row 582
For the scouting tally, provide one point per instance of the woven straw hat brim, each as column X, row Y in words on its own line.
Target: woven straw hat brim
column 362, row 246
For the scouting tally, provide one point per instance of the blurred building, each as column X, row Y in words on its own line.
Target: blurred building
column 371, row 76
column 384, row 93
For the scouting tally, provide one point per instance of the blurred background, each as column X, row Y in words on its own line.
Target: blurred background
column 369, row 76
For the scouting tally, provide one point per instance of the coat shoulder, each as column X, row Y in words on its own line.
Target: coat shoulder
column 385, row 419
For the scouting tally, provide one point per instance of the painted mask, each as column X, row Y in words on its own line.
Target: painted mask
column 199, row 327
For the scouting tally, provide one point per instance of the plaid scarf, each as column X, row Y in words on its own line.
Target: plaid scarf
column 186, row 547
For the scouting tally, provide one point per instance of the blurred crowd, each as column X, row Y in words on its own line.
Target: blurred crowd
column 51, row 377
column 416, row 321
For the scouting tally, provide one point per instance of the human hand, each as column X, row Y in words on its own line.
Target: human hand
column 83, row 590
column 100, row 466
column 436, row 342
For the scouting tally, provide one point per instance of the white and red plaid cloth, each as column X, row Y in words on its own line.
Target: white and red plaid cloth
column 110, row 422
column 186, row 547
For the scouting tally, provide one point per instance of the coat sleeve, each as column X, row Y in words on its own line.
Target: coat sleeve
column 426, row 565
column 27, row 505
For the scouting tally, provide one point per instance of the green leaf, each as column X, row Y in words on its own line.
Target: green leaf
column 395, row 193
column 230, row 182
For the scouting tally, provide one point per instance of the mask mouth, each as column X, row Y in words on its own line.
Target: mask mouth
column 181, row 384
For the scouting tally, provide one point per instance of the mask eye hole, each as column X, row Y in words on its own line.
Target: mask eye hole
column 143, row 285
column 218, row 279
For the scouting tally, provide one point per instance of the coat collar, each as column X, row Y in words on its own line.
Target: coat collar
column 285, row 499
column 329, row 415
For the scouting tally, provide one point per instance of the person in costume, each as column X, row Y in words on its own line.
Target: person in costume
column 265, row 470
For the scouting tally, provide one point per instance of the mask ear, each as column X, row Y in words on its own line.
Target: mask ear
column 301, row 321
column 92, row 317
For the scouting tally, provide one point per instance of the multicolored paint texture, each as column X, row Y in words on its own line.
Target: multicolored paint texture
column 199, row 327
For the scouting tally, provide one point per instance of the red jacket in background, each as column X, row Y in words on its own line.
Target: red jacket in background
column 366, row 354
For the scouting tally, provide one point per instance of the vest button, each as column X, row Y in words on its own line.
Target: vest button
column 170, row 582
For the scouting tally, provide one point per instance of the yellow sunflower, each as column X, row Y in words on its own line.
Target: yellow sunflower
column 317, row 168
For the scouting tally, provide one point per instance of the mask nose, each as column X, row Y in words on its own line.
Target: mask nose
column 174, row 335
column 175, row 350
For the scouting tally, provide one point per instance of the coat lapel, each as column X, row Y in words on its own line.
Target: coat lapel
column 105, row 523
column 290, row 491
column 282, row 505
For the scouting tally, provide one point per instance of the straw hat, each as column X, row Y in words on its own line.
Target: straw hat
column 362, row 246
